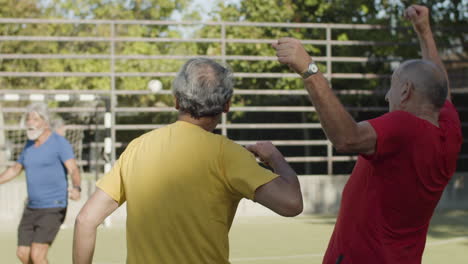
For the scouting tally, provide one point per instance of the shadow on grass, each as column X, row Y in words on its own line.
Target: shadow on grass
column 445, row 224
column 449, row 224
column 325, row 219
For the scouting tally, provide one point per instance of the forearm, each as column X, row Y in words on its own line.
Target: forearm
column 9, row 174
column 76, row 178
column 290, row 202
column 97, row 208
column 281, row 167
column 4, row 179
column 336, row 122
column 5, row 176
column 83, row 243
column 429, row 48
column 429, row 51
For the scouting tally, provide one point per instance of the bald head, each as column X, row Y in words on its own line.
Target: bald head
column 427, row 79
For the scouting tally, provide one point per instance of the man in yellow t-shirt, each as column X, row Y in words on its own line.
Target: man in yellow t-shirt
column 182, row 183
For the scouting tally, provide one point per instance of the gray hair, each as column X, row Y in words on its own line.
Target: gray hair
column 57, row 123
column 428, row 79
column 203, row 87
column 40, row 108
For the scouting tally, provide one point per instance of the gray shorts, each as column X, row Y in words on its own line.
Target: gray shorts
column 40, row 225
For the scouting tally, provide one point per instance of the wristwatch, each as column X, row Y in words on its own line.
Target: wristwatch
column 77, row 187
column 311, row 70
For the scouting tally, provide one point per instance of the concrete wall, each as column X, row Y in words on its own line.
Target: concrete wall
column 322, row 195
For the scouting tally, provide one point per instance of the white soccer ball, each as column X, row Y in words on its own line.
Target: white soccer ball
column 155, row 86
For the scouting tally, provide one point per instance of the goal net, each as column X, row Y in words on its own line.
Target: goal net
column 15, row 141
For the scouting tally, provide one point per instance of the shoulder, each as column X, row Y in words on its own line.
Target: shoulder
column 448, row 107
column 396, row 115
column 136, row 142
column 59, row 138
column 397, row 124
column 155, row 135
column 227, row 143
column 60, row 143
column 395, row 119
column 231, row 148
column 448, row 114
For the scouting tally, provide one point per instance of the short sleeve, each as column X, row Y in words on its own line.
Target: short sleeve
column 21, row 157
column 112, row 184
column 450, row 124
column 243, row 173
column 394, row 130
column 65, row 150
column 448, row 116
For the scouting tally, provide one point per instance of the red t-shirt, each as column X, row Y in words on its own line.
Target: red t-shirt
column 391, row 195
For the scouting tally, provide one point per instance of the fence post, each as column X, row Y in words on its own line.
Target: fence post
column 223, row 56
column 113, row 99
column 329, row 77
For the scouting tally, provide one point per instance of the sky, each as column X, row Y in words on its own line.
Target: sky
column 204, row 6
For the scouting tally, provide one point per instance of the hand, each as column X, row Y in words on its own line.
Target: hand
column 419, row 17
column 74, row 194
column 291, row 52
column 266, row 151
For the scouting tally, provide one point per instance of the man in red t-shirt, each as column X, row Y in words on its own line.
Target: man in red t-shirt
column 406, row 156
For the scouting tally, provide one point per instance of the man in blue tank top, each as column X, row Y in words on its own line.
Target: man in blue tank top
column 47, row 158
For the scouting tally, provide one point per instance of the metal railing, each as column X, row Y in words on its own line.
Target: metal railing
column 112, row 93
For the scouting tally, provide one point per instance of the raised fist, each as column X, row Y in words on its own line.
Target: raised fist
column 291, row 52
column 419, row 17
column 266, row 151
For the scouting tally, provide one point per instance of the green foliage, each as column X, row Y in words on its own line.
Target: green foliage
column 93, row 9
column 381, row 12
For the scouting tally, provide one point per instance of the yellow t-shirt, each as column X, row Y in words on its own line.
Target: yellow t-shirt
column 182, row 186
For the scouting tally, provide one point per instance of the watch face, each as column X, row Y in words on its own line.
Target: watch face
column 313, row 68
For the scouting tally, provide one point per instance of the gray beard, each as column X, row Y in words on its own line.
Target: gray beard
column 34, row 134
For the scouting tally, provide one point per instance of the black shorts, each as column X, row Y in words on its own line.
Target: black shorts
column 40, row 225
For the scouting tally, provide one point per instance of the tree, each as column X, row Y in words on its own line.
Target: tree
column 400, row 38
column 92, row 9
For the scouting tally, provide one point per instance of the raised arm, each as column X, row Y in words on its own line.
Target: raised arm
column 283, row 194
column 419, row 17
column 93, row 213
column 11, row 172
column 340, row 128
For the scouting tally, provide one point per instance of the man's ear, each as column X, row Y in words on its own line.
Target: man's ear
column 227, row 106
column 176, row 102
column 407, row 92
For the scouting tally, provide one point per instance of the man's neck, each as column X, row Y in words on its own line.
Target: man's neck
column 426, row 112
column 207, row 123
column 43, row 137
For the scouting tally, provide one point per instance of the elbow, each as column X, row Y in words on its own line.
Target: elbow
column 345, row 146
column 341, row 148
column 293, row 210
column 293, row 207
column 296, row 209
